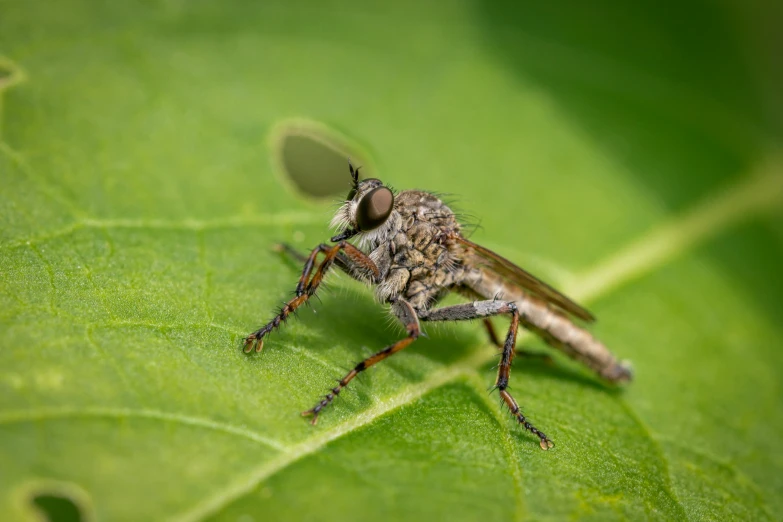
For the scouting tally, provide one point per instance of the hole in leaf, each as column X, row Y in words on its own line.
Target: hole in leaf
column 315, row 159
column 9, row 73
column 57, row 508
column 5, row 76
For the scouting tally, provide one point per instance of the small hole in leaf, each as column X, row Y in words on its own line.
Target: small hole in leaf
column 9, row 73
column 315, row 159
column 57, row 508
column 5, row 75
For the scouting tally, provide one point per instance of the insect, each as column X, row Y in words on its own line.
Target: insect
column 411, row 249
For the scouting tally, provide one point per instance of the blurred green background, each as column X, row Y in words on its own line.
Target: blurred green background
column 628, row 153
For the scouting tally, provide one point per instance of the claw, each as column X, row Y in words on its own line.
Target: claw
column 313, row 413
column 253, row 341
column 249, row 344
column 546, row 444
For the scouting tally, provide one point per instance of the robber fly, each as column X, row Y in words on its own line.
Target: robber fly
column 411, row 249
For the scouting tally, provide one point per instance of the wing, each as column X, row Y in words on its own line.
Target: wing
column 516, row 275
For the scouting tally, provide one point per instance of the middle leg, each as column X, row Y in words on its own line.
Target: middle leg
column 486, row 309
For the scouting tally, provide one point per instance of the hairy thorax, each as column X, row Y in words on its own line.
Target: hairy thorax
column 415, row 254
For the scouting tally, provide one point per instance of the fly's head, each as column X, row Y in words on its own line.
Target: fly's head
column 368, row 212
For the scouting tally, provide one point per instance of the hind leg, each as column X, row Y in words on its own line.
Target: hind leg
column 485, row 309
column 527, row 354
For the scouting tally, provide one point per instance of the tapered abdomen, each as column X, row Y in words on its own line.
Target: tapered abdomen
column 553, row 326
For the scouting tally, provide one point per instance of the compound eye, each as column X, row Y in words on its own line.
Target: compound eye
column 374, row 208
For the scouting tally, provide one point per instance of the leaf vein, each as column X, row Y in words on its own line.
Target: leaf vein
column 257, row 475
column 44, row 414
column 723, row 463
column 195, row 225
column 44, row 186
column 521, row 512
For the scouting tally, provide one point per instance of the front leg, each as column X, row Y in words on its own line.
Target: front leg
column 404, row 312
column 484, row 310
column 304, row 289
column 343, row 262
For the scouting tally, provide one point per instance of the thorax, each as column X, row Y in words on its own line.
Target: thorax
column 416, row 256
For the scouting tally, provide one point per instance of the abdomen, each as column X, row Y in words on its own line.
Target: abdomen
column 554, row 327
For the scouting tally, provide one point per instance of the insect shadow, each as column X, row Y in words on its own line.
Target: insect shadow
column 346, row 306
column 445, row 344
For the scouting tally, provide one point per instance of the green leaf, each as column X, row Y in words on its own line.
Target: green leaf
column 628, row 154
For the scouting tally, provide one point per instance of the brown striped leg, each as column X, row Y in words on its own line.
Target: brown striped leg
column 352, row 256
column 405, row 313
column 504, row 371
column 341, row 261
column 485, row 309
column 308, row 268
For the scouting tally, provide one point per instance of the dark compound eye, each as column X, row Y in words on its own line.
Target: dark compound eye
column 374, row 208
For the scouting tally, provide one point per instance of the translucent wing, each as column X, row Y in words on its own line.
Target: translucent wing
column 516, row 275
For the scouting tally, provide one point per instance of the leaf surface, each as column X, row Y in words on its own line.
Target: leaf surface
column 627, row 158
